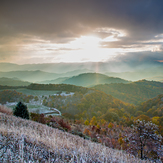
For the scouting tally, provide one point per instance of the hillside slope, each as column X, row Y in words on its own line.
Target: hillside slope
column 133, row 93
column 90, row 79
column 13, row 82
column 28, row 141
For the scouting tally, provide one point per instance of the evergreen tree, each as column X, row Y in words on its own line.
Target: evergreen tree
column 21, row 111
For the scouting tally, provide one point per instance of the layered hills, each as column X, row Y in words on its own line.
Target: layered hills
column 72, row 69
column 84, row 79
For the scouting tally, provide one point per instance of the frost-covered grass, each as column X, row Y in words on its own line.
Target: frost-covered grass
column 28, row 141
column 34, row 108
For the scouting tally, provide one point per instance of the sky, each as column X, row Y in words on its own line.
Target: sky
column 54, row 31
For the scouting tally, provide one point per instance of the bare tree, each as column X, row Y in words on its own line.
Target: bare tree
column 145, row 140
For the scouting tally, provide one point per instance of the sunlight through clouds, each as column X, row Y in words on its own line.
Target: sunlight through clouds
column 87, row 48
column 82, row 49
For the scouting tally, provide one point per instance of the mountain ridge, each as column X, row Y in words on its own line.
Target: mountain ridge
column 90, row 79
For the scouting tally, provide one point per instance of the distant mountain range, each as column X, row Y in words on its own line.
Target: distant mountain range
column 59, row 68
column 72, row 69
column 148, row 74
column 31, row 76
column 86, row 79
column 39, row 76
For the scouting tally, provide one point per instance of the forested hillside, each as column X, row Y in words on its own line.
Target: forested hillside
column 85, row 103
column 96, row 104
column 152, row 107
column 13, row 96
column 133, row 93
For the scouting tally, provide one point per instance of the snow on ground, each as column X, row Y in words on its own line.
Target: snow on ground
column 11, row 103
column 65, row 94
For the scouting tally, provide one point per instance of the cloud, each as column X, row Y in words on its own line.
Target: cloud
column 62, row 19
column 38, row 22
column 139, row 58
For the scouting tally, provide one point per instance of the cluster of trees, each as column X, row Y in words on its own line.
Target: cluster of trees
column 3, row 87
column 98, row 104
column 152, row 110
column 63, row 102
column 152, row 107
column 58, row 87
column 12, row 96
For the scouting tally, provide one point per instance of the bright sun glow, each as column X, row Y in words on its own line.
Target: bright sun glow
column 87, row 48
column 86, row 42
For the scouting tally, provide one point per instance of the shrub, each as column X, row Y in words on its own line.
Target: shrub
column 42, row 119
column 64, row 125
column 87, row 132
column 21, row 111
column 35, row 116
column 6, row 110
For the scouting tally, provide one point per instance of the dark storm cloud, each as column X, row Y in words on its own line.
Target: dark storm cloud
column 69, row 19
column 139, row 58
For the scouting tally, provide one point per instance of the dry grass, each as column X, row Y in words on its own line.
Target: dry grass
column 28, row 141
column 5, row 110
